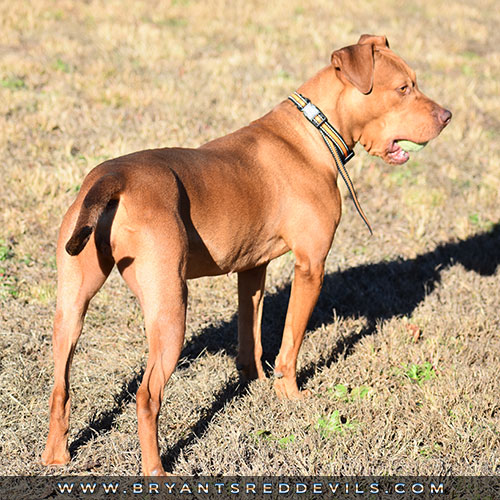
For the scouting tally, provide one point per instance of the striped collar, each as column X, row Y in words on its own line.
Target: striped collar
column 320, row 121
column 338, row 148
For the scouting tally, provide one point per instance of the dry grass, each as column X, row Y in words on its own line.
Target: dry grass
column 403, row 351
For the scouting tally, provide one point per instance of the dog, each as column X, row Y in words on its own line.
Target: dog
column 164, row 216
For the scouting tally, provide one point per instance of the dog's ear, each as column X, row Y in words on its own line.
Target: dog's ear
column 354, row 64
column 377, row 41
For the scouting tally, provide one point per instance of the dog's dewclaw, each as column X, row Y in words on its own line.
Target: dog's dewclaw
column 411, row 146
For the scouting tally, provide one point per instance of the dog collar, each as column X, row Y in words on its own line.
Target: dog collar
column 339, row 150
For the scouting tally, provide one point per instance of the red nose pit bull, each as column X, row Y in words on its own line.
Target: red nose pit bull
column 164, row 216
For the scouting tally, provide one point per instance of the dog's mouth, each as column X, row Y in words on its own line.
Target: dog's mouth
column 399, row 150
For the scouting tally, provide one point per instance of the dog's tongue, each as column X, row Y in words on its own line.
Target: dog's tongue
column 398, row 154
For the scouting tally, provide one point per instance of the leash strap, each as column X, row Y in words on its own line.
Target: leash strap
column 336, row 145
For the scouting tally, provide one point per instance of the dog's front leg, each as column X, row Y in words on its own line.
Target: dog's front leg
column 306, row 286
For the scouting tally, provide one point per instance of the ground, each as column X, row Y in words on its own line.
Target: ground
column 402, row 354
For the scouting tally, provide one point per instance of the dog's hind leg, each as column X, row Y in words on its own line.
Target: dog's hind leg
column 250, row 302
column 79, row 278
column 157, row 276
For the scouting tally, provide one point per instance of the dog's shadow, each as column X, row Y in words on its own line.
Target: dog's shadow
column 373, row 291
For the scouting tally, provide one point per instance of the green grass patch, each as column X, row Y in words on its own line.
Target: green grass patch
column 8, row 285
column 284, row 75
column 429, row 451
column 468, row 70
column 471, row 55
column 477, row 220
column 334, row 424
column 283, row 442
column 361, row 250
column 342, row 393
column 13, row 83
column 6, row 251
column 419, row 373
column 61, row 65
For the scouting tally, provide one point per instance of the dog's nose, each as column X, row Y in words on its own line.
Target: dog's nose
column 445, row 116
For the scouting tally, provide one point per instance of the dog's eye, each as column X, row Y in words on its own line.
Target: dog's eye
column 404, row 89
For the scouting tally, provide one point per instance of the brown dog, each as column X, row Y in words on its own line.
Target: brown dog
column 168, row 215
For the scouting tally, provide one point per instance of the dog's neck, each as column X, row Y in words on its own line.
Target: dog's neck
column 326, row 90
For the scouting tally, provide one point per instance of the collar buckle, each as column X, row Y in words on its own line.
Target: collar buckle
column 311, row 112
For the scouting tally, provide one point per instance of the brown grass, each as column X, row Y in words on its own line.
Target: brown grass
column 410, row 313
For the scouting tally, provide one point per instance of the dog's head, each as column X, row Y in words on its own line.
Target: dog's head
column 385, row 103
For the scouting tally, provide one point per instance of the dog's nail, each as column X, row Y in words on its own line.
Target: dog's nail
column 278, row 374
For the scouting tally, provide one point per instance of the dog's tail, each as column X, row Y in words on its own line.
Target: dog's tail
column 94, row 203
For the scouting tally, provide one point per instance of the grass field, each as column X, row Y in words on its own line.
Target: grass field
column 402, row 354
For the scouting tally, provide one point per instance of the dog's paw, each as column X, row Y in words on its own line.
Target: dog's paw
column 49, row 457
column 287, row 389
column 250, row 371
